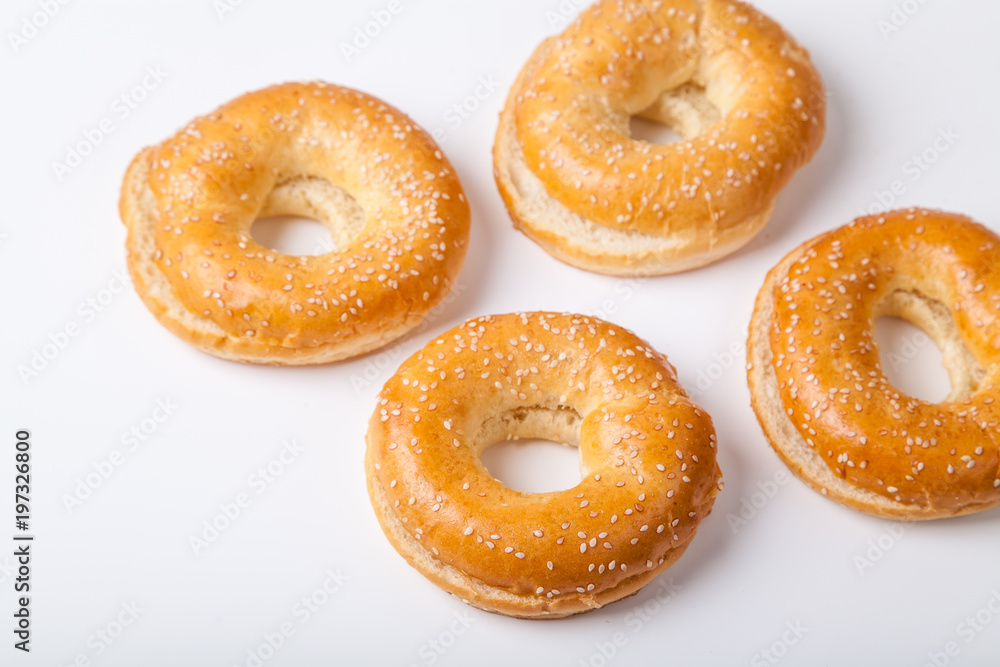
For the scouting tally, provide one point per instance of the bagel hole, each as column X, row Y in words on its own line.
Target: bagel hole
column 308, row 216
column 678, row 114
column 652, row 132
column 533, row 465
column 911, row 360
column 532, row 449
column 292, row 235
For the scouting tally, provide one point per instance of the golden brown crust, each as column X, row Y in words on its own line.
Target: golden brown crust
column 647, row 457
column 189, row 203
column 747, row 100
column 818, row 387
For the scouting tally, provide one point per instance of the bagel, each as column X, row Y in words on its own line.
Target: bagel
column 647, row 458
column 745, row 98
column 818, row 387
column 381, row 185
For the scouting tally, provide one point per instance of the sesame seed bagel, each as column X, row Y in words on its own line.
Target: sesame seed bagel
column 745, row 98
column 818, row 387
column 390, row 198
column 647, row 458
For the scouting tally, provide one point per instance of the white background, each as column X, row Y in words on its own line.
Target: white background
column 795, row 561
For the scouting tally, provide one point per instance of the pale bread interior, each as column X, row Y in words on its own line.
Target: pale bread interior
column 928, row 314
column 306, row 197
column 581, row 242
column 318, row 199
